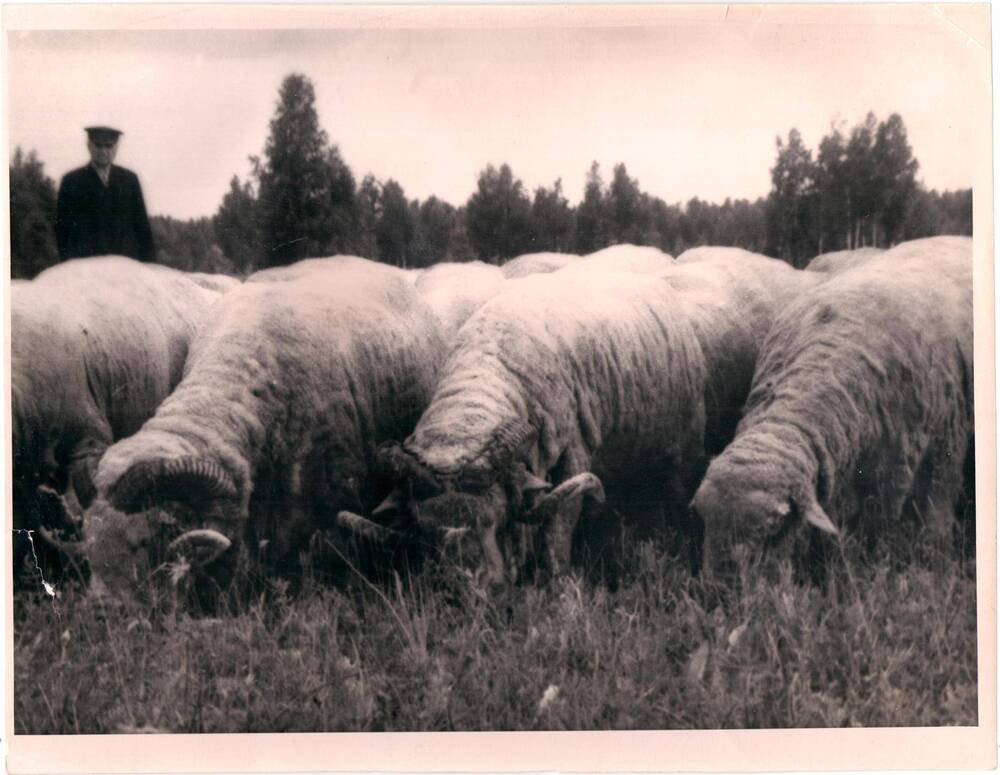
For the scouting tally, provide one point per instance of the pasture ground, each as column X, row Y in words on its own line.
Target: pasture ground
column 884, row 644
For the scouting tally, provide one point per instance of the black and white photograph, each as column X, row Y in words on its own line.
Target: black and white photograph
column 498, row 369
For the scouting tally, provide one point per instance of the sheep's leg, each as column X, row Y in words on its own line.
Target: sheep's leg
column 557, row 534
column 936, row 491
column 83, row 466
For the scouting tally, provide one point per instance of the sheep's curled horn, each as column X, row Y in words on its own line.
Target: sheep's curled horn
column 546, row 507
column 372, row 531
column 184, row 478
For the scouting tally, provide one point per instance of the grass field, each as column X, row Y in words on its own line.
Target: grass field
column 883, row 644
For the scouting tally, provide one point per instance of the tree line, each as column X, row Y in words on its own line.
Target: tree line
column 302, row 200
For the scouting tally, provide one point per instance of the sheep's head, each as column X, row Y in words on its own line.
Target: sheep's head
column 162, row 521
column 747, row 504
column 472, row 515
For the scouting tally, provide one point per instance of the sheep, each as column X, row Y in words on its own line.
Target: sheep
column 842, row 260
column 536, row 263
column 589, row 379
column 731, row 297
column 713, row 253
column 96, row 345
column 221, row 283
column 454, row 291
column 624, row 258
column 860, row 411
column 335, row 263
column 290, row 386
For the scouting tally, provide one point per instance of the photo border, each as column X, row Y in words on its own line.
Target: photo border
column 638, row 751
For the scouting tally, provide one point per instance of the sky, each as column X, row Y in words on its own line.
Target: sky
column 692, row 106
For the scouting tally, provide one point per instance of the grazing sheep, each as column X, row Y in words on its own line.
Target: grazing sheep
column 842, row 260
column 96, row 345
column 536, row 263
column 624, row 258
column 454, row 291
column 861, row 408
column 290, row 386
column 731, row 297
column 587, row 378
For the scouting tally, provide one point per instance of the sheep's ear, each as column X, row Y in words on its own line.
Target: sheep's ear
column 818, row 518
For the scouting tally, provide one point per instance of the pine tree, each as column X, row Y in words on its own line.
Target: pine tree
column 296, row 208
column 341, row 226
column 499, row 216
column 895, row 177
column 628, row 221
column 592, row 227
column 32, row 215
column 790, row 210
column 237, row 226
column 433, row 220
column 394, row 230
column 552, row 218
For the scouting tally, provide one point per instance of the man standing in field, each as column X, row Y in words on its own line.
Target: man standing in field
column 100, row 210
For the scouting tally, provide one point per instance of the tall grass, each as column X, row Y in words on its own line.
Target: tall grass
column 883, row 643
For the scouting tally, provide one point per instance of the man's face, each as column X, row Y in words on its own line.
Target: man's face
column 102, row 151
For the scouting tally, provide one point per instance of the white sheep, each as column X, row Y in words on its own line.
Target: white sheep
column 455, row 290
column 536, row 263
column 623, row 258
column 861, row 406
column 96, row 345
column 289, row 388
column 732, row 298
column 221, row 283
column 841, row 260
column 559, row 385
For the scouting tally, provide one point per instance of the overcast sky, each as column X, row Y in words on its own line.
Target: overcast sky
column 691, row 108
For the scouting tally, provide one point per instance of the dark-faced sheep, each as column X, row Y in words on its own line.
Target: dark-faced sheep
column 289, row 388
column 555, row 386
column 96, row 345
column 860, row 412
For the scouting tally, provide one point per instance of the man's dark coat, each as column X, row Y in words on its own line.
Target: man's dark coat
column 95, row 220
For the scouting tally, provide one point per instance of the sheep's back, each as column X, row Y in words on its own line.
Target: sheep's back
column 536, row 263
column 329, row 360
column 455, row 290
column 591, row 361
column 875, row 362
column 838, row 261
column 731, row 298
column 623, row 258
column 111, row 327
column 338, row 263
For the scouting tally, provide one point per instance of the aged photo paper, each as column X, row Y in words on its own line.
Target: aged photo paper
column 429, row 111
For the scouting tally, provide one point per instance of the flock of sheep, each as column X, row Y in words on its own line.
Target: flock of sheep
column 165, row 421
